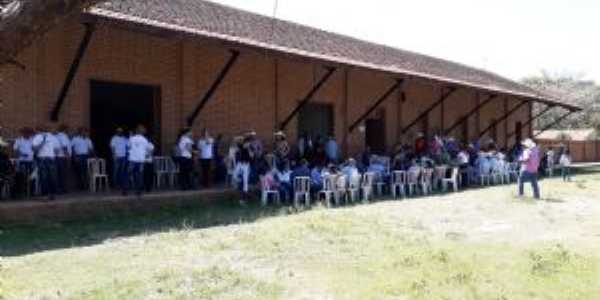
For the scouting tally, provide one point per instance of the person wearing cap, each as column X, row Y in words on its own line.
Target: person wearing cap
column 62, row 157
column 7, row 170
column 530, row 161
column 118, row 148
column 206, row 149
column 139, row 150
column 82, row 149
column 46, row 146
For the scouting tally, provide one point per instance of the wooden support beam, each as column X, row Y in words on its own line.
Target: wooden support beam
column 213, row 88
column 376, row 104
column 504, row 117
column 85, row 41
column 570, row 112
column 537, row 116
column 443, row 98
column 308, row 97
column 470, row 113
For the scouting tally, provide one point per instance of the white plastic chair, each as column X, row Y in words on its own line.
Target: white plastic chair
column 427, row 181
column 380, row 183
column 412, row 180
column 439, row 174
column 161, row 171
column 341, row 189
column 366, row 186
column 173, row 172
column 267, row 190
column 513, row 171
column 33, row 180
column 301, row 190
column 497, row 174
column 453, row 180
column 484, row 175
column 354, row 188
column 98, row 175
column 328, row 190
column 398, row 183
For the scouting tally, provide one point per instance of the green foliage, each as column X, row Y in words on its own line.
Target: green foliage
column 572, row 89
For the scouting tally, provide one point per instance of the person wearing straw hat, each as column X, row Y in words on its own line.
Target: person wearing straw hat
column 282, row 148
column 530, row 161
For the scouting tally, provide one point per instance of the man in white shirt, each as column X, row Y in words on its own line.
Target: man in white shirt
column 46, row 146
column 82, row 149
column 139, row 149
column 23, row 148
column 62, row 157
column 185, row 146
column 206, row 146
column 118, row 148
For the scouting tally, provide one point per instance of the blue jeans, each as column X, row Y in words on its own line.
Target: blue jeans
column 566, row 173
column 48, row 175
column 119, row 172
column 135, row 177
column 532, row 177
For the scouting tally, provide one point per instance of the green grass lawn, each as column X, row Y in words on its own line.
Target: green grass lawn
column 479, row 244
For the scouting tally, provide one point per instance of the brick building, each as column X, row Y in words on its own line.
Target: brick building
column 157, row 62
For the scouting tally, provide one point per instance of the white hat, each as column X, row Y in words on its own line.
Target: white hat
column 280, row 133
column 3, row 143
column 529, row 143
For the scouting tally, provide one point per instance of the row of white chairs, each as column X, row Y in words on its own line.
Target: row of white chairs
column 340, row 188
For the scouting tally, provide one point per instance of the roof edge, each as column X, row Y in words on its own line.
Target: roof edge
column 104, row 13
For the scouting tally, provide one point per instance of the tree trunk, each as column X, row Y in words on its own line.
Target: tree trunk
column 22, row 21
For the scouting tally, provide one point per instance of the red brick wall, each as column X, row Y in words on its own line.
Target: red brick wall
column 250, row 97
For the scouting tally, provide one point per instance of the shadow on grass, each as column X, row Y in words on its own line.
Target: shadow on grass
column 22, row 240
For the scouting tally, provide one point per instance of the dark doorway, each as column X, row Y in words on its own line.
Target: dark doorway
column 375, row 135
column 316, row 120
column 519, row 132
column 123, row 105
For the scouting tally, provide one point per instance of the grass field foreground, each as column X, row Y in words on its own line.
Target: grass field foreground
column 479, row 244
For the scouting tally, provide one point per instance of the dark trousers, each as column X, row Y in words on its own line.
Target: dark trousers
column 186, row 166
column 566, row 173
column 80, row 164
column 120, row 172
column 531, row 177
column 48, row 175
column 61, row 172
column 205, row 169
column 148, row 176
column 135, row 177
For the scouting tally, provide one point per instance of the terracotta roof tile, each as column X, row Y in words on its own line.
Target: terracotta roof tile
column 222, row 22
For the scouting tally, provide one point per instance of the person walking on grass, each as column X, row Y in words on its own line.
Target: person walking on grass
column 530, row 161
column 565, row 165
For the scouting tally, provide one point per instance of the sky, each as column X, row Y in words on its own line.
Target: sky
column 514, row 38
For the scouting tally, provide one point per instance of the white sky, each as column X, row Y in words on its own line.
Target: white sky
column 514, row 38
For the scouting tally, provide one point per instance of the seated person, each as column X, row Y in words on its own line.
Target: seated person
column 7, row 169
column 316, row 178
column 350, row 169
column 301, row 170
column 284, row 181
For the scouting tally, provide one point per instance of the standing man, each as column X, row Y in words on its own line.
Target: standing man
column 332, row 151
column 46, row 146
column 185, row 146
column 530, row 161
column 139, row 149
column 206, row 148
column 62, row 157
column 118, row 147
column 82, row 151
column 23, row 148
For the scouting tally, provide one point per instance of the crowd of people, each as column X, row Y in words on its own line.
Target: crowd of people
column 202, row 161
